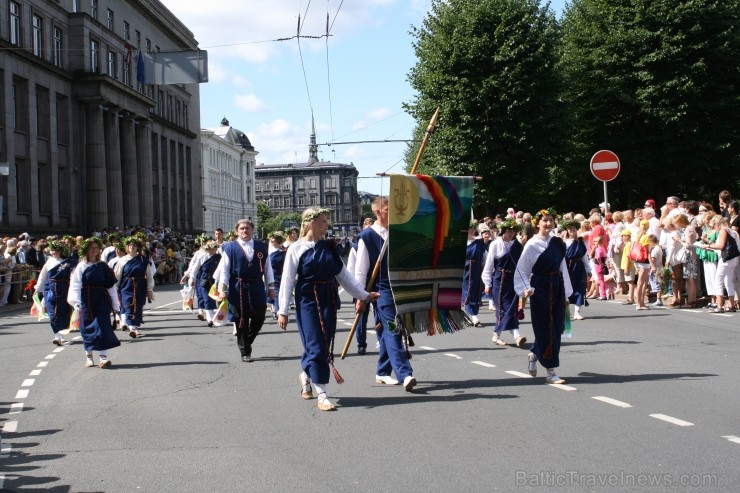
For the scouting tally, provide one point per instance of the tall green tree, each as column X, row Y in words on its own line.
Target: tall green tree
column 657, row 82
column 490, row 66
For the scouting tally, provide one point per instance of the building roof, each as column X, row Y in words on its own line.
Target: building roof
column 304, row 166
column 240, row 138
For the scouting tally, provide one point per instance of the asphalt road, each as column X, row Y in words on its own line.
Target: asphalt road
column 650, row 403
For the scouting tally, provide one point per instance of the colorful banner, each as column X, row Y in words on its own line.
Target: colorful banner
column 427, row 237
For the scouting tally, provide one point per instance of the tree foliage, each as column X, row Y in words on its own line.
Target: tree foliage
column 489, row 65
column 269, row 222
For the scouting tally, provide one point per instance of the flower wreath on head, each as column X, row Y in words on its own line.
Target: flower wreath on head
column 569, row 223
column 132, row 240
column 316, row 213
column 85, row 246
column 510, row 223
column 71, row 239
column 231, row 234
column 473, row 224
column 277, row 235
column 544, row 212
column 58, row 246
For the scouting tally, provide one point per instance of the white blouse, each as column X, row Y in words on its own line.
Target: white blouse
column 498, row 249
column 532, row 251
column 74, row 297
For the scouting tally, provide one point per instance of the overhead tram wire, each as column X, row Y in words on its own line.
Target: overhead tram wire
column 328, row 73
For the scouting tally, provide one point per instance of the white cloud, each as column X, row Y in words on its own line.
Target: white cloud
column 249, row 102
column 241, row 81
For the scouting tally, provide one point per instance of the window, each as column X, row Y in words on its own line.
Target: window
column 126, row 31
column 288, row 202
column 287, row 184
column 75, row 7
column 22, row 186
column 148, row 45
column 276, row 185
column 330, row 182
column 257, row 187
column 127, row 71
column 62, row 119
column 58, row 45
column 186, row 124
column 42, row 112
column 94, row 57
column 178, row 110
column 15, row 24
column 94, row 8
column 313, row 182
column 346, row 198
column 170, row 107
column 137, row 38
column 112, row 68
column 313, row 199
column 299, row 185
column 301, row 201
column 20, row 104
column 110, row 19
column 160, row 103
column 347, row 182
column 347, row 216
column 37, row 23
column 329, row 199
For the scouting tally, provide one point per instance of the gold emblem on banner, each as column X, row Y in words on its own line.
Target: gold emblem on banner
column 404, row 199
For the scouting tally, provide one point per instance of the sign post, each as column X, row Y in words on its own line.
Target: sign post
column 605, row 166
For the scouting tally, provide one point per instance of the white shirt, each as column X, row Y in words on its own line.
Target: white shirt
column 119, row 271
column 223, row 270
column 290, row 273
column 50, row 264
column 532, row 251
column 74, row 297
column 362, row 263
column 497, row 249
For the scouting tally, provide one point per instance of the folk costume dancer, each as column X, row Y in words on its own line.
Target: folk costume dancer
column 361, row 329
column 475, row 256
column 201, row 278
column 93, row 291
column 120, row 252
column 244, row 270
column 277, row 260
column 135, row 285
column 579, row 266
column 312, row 267
column 53, row 284
column 200, row 240
column 394, row 354
column 545, row 281
column 498, row 276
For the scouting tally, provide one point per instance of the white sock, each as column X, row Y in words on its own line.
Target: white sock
column 103, row 355
column 132, row 327
column 209, row 315
column 89, row 355
column 515, row 333
column 497, row 334
column 550, row 372
column 576, row 310
column 320, row 388
column 58, row 336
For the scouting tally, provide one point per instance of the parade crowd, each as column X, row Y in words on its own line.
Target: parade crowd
column 552, row 263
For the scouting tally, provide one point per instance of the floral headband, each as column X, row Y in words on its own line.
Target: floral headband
column 58, row 246
column 310, row 216
column 509, row 224
column 473, row 224
column 544, row 212
column 569, row 223
column 85, row 246
column 132, row 240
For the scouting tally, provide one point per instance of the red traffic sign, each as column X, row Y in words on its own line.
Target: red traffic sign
column 605, row 165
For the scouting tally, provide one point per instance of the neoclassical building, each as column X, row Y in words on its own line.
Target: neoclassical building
column 86, row 145
column 228, row 177
column 293, row 187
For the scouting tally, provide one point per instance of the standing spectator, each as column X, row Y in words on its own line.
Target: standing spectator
column 709, row 257
column 725, row 268
column 725, row 197
column 628, row 267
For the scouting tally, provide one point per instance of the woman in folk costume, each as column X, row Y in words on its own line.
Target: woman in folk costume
column 498, row 277
column 53, row 283
column 579, row 266
column 93, row 291
column 475, row 255
column 277, row 260
column 201, row 278
column 135, row 285
column 200, row 240
column 545, row 281
column 312, row 266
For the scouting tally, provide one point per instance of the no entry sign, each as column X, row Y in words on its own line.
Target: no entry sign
column 605, row 165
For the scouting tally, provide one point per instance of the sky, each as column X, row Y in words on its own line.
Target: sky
column 353, row 82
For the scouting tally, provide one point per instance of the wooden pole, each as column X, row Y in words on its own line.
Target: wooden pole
column 427, row 135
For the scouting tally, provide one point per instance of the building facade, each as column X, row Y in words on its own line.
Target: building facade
column 84, row 143
column 228, row 160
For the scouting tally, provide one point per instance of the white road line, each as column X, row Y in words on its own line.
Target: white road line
column 693, row 311
column 50, row 356
column 519, row 374
column 16, row 408
column 6, row 451
column 42, row 364
column 611, row 401
column 58, row 350
column 35, row 373
column 28, row 382
column 732, row 438
column 451, row 355
column 77, row 338
column 10, row 426
column 2, row 481
column 562, row 386
column 427, row 348
column 483, row 363
column 671, row 419
column 347, row 324
column 22, row 394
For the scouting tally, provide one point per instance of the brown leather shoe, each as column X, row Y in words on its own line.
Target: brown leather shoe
column 325, row 405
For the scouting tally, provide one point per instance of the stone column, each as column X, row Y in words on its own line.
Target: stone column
column 144, row 163
column 131, row 198
column 114, row 175
column 96, row 197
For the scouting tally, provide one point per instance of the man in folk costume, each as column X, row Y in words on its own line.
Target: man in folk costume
column 394, row 355
column 498, row 276
column 135, row 285
column 475, row 255
column 244, row 271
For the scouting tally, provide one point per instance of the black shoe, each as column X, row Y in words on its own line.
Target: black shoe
column 210, row 324
column 361, row 350
column 247, row 358
column 411, row 342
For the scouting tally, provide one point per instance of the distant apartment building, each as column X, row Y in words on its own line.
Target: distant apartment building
column 83, row 143
column 294, row 187
column 228, row 177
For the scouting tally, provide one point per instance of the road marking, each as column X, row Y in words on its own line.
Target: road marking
column 77, row 338
column 482, row 363
column 671, row 419
column 2, row 481
column 16, row 408
column 35, row 373
column 28, row 382
column 732, row 438
column 22, row 394
column 562, row 386
column 42, row 364
column 10, row 426
column 451, row 355
column 519, row 374
column 693, row 311
column 58, row 350
column 427, row 348
column 50, row 356
column 347, row 323
column 611, row 401
column 6, row 451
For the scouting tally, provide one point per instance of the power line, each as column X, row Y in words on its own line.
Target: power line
column 384, row 141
